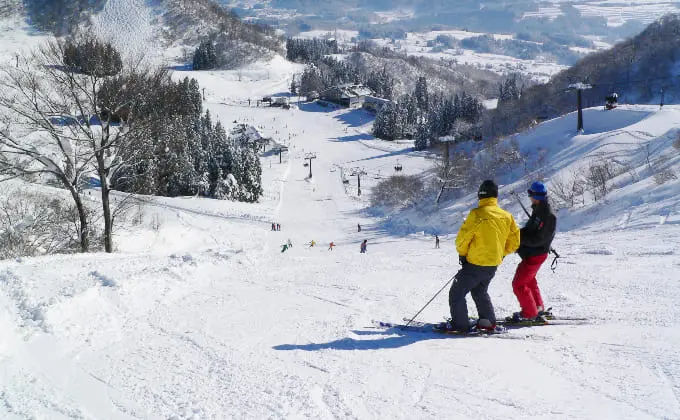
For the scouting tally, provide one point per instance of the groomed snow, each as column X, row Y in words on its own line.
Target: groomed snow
column 200, row 316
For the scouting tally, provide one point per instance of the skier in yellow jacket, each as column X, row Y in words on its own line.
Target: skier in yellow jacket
column 488, row 234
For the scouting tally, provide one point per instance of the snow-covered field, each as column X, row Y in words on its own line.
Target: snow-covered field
column 616, row 13
column 416, row 43
column 200, row 316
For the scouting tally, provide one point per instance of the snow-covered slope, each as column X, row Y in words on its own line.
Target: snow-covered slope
column 200, row 315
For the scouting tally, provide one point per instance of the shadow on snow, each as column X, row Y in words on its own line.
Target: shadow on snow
column 355, row 118
column 356, row 137
column 181, row 67
column 315, row 107
column 401, row 339
column 386, row 154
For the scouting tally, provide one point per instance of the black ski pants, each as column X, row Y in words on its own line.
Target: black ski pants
column 473, row 279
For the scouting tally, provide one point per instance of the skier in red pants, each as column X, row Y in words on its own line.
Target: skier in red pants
column 535, row 240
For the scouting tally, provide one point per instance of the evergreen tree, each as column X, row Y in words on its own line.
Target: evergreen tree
column 226, row 188
column 382, row 126
column 381, row 83
column 251, row 175
column 92, row 57
column 293, row 87
column 421, row 95
column 310, row 80
column 205, row 57
column 410, row 106
column 422, row 137
column 508, row 90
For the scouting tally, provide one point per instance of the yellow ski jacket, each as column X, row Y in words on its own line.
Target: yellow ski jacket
column 487, row 235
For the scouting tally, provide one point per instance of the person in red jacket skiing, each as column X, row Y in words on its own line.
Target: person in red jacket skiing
column 535, row 240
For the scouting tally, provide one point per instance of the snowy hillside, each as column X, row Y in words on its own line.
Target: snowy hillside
column 199, row 315
column 615, row 13
column 423, row 44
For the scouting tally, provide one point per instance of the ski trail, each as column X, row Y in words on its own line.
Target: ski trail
column 317, row 396
column 663, row 375
column 624, row 220
column 283, row 180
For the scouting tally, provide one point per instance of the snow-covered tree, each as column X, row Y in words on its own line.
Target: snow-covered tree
column 508, row 90
column 310, row 80
column 59, row 121
column 205, row 57
column 93, row 57
column 422, row 137
column 293, row 86
column 421, row 94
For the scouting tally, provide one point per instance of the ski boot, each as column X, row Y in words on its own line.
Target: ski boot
column 517, row 318
column 546, row 313
column 485, row 326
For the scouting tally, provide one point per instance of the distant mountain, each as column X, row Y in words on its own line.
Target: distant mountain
column 9, row 8
column 610, row 20
column 60, row 16
column 643, row 69
column 189, row 22
column 140, row 27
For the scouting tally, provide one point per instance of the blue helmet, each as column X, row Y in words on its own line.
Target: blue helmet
column 538, row 191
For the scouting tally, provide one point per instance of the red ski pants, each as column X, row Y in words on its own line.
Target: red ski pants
column 525, row 286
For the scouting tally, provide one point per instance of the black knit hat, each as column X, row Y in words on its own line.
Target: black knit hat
column 487, row 189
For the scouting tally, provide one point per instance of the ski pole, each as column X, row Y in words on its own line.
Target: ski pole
column 430, row 301
column 553, row 265
column 521, row 204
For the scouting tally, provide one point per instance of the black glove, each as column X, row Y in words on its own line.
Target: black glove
column 462, row 260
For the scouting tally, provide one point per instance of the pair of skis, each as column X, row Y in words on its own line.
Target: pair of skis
column 427, row 327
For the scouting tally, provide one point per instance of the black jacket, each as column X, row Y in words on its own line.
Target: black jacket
column 537, row 235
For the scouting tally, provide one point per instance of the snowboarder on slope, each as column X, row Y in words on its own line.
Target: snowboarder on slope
column 436, row 241
column 487, row 235
column 358, row 227
column 364, row 244
column 330, row 246
column 535, row 239
column 284, row 248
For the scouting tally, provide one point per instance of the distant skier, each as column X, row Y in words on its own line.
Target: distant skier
column 436, row 241
column 278, row 227
column 311, row 243
column 273, row 226
column 284, row 248
column 611, row 101
column 487, row 235
column 330, row 246
column 358, row 227
column 535, row 239
column 364, row 244
column 290, row 244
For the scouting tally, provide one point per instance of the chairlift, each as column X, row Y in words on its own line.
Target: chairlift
column 398, row 167
column 305, row 164
column 345, row 181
